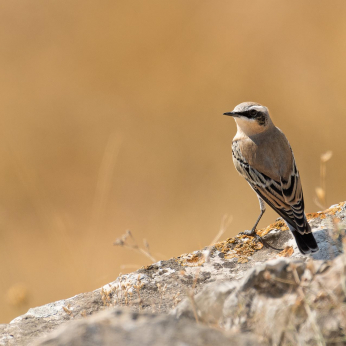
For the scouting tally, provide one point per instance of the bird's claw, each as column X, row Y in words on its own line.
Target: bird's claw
column 253, row 233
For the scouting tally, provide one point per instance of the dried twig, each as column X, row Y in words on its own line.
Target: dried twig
column 123, row 242
column 319, row 336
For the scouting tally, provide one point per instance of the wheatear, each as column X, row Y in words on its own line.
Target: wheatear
column 263, row 156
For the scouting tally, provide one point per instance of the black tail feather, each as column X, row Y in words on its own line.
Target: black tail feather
column 306, row 242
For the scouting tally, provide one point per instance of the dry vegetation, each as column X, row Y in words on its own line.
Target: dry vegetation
column 123, row 241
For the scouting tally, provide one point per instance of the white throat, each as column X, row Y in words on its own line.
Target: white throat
column 250, row 127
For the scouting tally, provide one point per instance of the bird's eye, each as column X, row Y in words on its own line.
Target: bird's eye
column 253, row 112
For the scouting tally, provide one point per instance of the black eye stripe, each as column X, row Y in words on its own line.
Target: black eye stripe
column 249, row 114
column 259, row 116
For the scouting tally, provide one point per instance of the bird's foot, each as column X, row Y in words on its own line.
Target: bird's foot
column 253, row 233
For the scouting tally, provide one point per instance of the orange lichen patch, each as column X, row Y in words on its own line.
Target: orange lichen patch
column 338, row 207
column 323, row 214
column 224, row 246
column 231, row 240
column 280, row 225
column 286, row 252
column 258, row 246
column 191, row 260
column 320, row 215
column 241, row 247
column 244, row 249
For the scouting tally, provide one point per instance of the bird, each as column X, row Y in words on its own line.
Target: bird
column 263, row 156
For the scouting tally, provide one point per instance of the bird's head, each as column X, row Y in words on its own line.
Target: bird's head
column 251, row 118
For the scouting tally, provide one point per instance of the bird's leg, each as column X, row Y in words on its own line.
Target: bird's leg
column 253, row 233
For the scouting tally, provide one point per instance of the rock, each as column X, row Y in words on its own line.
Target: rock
column 158, row 288
column 121, row 327
column 283, row 302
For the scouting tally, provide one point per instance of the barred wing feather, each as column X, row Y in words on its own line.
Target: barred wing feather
column 285, row 197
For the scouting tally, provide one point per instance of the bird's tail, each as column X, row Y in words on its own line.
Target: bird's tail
column 306, row 242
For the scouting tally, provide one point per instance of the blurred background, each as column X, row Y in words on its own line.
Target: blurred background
column 111, row 119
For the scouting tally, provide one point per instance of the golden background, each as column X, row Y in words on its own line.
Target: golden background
column 111, row 119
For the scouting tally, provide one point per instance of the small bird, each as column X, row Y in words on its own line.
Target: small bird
column 263, row 156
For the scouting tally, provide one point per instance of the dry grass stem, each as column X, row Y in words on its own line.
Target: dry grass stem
column 321, row 191
column 138, row 287
column 67, row 309
column 176, row 300
column 123, row 241
column 104, row 180
column 162, row 289
column 319, row 336
column 190, row 294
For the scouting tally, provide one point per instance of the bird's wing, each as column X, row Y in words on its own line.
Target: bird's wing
column 293, row 195
column 285, row 197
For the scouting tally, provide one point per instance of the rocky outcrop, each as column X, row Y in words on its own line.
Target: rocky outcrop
column 283, row 302
column 121, row 327
column 233, row 290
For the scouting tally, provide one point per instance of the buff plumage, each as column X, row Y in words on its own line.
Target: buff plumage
column 263, row 156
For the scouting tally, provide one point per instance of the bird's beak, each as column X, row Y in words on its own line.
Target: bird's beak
column 232, row 114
